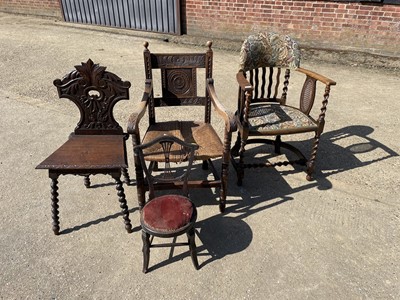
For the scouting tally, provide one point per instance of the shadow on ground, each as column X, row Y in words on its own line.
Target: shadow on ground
column 226, row 234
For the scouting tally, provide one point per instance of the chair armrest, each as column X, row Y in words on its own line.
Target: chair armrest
column 316, row 76
column 308, row 95
column 230, row 124
column 243, row 82
column 136, row 116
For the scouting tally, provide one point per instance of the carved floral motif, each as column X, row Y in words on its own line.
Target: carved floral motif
column 95, row 91
column 163, row 61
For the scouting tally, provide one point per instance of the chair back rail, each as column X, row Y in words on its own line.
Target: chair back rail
column 178, row 79
column 174, row 150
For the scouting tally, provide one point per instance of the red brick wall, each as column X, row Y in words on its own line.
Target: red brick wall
column 32, row 7
column 328, row 24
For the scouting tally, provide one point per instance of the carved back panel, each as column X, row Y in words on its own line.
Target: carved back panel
column 95, row 92
column 179, row 76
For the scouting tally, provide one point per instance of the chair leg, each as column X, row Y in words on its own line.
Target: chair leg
column 123, row 204
column 277, row 144
column 86, row 181
column 240, row 167
column 155, row 166
column 235, row 149
column 125, row 174
column 240, row 170
column 146, row 250
column 224, row 187
column 311, row 161
column 140, row 184
column 139, row 173
column 224, row 171
column 192, row 247
column 54, row 203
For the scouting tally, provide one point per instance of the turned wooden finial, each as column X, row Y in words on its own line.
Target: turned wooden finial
column 146, row 44
column 209, row 44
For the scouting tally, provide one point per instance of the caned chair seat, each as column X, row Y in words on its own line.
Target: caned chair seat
column 168, row 213
column 202, row 134
column 279, row 119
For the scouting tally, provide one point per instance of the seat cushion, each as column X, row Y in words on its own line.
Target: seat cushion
column 272, row 118
column 167, row 213
column 202, row 134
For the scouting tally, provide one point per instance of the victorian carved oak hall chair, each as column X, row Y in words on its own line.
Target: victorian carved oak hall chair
column 179, row 74
column 97, row 145
column 168, row 215
column 266, row 61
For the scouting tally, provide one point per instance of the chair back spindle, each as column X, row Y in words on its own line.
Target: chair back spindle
column 172, row 150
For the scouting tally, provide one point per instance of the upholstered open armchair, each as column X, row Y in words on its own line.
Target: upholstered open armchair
column 179, row 90
column 265, row 108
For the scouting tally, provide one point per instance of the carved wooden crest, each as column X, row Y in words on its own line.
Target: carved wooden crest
column 95, row 91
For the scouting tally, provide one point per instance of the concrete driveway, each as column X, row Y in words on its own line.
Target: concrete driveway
column 281, row 237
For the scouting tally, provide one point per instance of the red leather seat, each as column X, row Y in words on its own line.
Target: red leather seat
column 167, row 213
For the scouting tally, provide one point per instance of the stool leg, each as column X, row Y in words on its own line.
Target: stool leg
column 192, row 247
column 146, row 250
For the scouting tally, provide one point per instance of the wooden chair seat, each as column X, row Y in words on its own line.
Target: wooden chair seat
column 273, row 118
column 82, row 152
column 202, row 134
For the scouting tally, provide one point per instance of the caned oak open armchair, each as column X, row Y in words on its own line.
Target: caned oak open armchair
column 266, row 61
column 97, row 145
column 179, row 73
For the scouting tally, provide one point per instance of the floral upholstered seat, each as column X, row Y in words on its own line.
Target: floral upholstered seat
column 272, row 118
